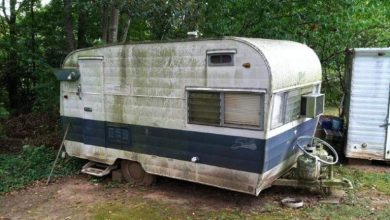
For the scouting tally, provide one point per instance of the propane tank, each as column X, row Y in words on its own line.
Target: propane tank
column 309, row 168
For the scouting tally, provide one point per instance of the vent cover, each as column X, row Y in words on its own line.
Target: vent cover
column 312, row 105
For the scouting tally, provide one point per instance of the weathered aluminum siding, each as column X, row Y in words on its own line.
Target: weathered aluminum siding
column 142, row 79
column 144, row 84
column 291, row 64
column 368, row 105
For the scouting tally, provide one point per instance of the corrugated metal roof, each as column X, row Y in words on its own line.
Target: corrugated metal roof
column 290, row 63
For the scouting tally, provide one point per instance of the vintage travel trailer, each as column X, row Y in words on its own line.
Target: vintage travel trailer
column 367, row 104
column 222, row 112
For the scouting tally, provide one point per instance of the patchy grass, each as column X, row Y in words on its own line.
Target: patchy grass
column 331, row 110
column 359, row 204
column 138, row 209
column 352, row 208
column 379, row 181
column 33, row 163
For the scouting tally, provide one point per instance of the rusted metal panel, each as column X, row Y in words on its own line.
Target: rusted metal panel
column 369, row 105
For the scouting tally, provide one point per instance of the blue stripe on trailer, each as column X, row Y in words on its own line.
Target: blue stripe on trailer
column 232, row 152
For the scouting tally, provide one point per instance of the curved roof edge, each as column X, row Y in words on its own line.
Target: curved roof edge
column 289, row 63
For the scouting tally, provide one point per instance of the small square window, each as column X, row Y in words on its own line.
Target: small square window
column 220, row 59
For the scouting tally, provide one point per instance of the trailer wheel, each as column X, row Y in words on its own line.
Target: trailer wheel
column 133, row 172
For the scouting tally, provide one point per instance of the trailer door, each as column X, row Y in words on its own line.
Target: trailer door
column 368, row 129
column 92, row 96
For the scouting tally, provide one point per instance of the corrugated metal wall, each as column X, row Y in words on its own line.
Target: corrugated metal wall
column 369, row 100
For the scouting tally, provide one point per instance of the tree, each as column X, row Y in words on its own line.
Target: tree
column 68, row 22
column 50, row 32
column 12, row 74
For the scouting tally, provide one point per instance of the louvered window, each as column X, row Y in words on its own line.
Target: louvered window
column 228, row 109
column 204, row 108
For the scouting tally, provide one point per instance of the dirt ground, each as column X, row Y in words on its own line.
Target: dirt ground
column 79, row 197
column 83, row 197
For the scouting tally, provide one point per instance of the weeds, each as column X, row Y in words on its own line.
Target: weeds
column 33, row 163
column 361, row 179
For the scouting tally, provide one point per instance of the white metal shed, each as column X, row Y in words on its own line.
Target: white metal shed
column 367, row 104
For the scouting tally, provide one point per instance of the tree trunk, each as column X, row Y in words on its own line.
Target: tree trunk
column 82, row 22
column 12, row 75
column 126, row 30
column 69, row 25
column 33, row 41
column 104, row 24
column 114, row 20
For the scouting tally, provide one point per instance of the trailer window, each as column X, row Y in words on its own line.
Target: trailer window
column 204, row 108
column 287, row 106
column 242, row 109
column 293, row 106
column 225, row 59
column 228, row 109
column 278, row 109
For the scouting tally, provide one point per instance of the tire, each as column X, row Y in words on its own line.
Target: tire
column 134, row 173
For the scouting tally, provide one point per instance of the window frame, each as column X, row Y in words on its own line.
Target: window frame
column 285, row 100
column 220, row 55
column 261, row 93
column 284, row 96
column 222, row 52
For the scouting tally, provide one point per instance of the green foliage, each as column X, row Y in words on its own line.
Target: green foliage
column 3, row 115
column 3, row 112
column 328, row 26
column 33, row 163
column 46, row 91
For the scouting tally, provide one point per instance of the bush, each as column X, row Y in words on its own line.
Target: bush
column 33, row 163
column 3, row 115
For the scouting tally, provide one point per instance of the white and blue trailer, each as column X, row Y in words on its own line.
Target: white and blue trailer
column 222, row 112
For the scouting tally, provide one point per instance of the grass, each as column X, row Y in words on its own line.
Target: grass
column 33, row 163
column 379, row 181
column 356, row 205
column 331, row 110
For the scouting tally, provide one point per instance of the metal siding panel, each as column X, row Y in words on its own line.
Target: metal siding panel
column 281, row 147
column 290, row 63
column 368, row 106
column 91, row 75
column 227, row 151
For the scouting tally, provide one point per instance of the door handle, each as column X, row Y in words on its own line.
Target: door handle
column 384, row 125
column 88, row 109
column 79, row 91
